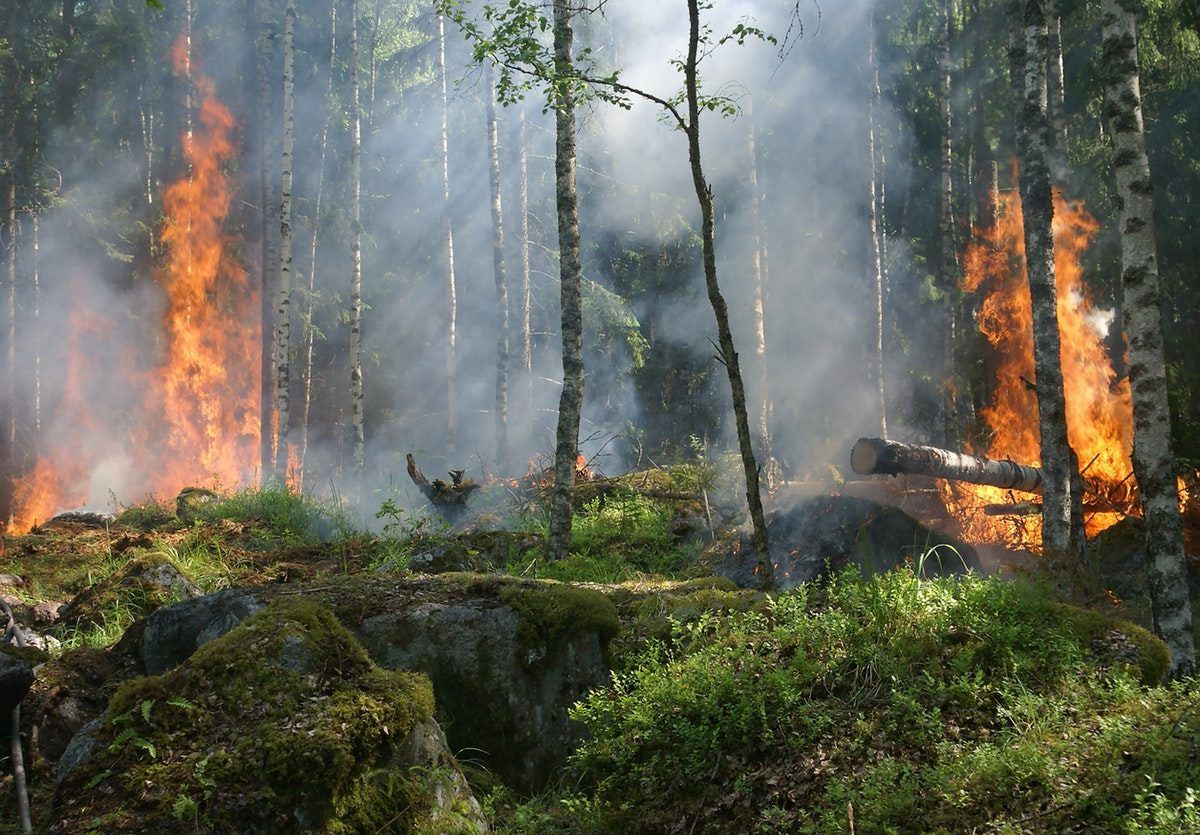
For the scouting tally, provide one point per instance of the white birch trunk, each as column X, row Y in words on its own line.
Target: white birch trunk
column 1058, row 533
column 358, row 436
column 448, row 253
column 1153, row 458
column 283, row 312
column 873, row 103
column 500, row 273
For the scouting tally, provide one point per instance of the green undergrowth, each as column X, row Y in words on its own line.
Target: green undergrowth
column 619, row 536
column 283, row 724
column 950, row 705
column 281, row 515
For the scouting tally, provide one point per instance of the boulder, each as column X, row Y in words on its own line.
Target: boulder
column 70, row 691
column 16, row 677
column 507, row 658
column 142, row 586
column 818, row 536
column 281, row 725
column 170, row 635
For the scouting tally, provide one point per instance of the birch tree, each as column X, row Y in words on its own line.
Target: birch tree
column 283, row 313
column 948, row 266
column 873, row 103
column 358, row 434
column 757, row 272
column 1056, row 95
column 8, row 240
column 310, row 307
column 500, row 418
column 447, row 245
column 1153, row 458
column 1033, row 139
column 267, row 381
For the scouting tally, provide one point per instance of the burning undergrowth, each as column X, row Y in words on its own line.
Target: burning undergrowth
column 179, row 406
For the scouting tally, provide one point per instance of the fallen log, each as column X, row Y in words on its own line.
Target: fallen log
column 872, row 456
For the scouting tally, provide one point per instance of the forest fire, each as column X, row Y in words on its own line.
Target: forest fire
column 1099, row 413
column 195, row 419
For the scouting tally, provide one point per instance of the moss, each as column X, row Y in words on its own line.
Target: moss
column 146, row 517
column 30, row 655
column 1119, row 641
column 550, row 614
column 271, row 727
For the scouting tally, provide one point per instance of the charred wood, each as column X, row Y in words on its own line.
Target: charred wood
column 878, row 456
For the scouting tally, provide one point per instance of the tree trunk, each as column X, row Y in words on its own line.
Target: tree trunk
column 1056, row 96
column 448, row 250
column 356, row 303
column 267, row 381
column 37, row 334
column 981, row 152
column 570, row 402
column 8, row 242
column 310, row 311
column 1153, row 458
column 1033, row 132
column 526, row 284
column 948, row 266
column 763, row 568
column 500, row 273
column 283, row 314
column 878, row 456
column 877, row 369
column 756, row 272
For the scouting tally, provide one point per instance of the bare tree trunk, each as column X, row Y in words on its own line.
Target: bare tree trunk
column 763, row 568
column 756, row 270
column 948, row 266
column 267, row 382
column 500, row 272
column 1056, row 95
column 37, row 334
column 8, row 241
column 526, row 284
column 448, row 252
column 1058, row 534
column 283, row 314
column 356, row 303
column 873, row 103
column 1153, row 458
column 981, row 154
column 310, row 311
column 570, row 402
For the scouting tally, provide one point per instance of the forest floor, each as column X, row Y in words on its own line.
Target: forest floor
column 887, row 703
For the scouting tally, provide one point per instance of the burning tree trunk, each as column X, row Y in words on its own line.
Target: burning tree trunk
column 267, row 387
column 729, row 357
column 1033, row 132
column 570, row 402
column 502, row 345
column 447, row 244
column 1153, row 459
column 877, row 456
column 356, row 304
column 310, row 308
column 283, row 328
column 876, row 247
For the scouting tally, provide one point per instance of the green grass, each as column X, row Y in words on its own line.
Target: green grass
column 280, row 514
column 614, row 538
column 936, row 706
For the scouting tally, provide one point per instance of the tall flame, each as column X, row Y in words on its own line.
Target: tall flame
column 197, row 418
column 1099, row 413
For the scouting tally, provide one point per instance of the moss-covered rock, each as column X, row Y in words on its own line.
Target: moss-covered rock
column 281, row 725
column 141, row 586
column 1118, row 642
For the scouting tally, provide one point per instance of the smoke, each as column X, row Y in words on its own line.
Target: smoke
column 103, row 304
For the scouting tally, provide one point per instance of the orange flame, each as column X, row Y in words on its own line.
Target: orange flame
column 198, row 418
column 1099, row 413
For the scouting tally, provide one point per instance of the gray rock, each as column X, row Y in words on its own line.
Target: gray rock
column 79, row 750
column 490, row 696
column 11, row 580
column 16, row 677
column 173, row 633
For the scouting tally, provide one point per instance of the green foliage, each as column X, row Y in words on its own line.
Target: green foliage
column 936, row 706
column 281, row 515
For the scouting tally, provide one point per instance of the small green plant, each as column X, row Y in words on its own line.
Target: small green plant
column 280, row 514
